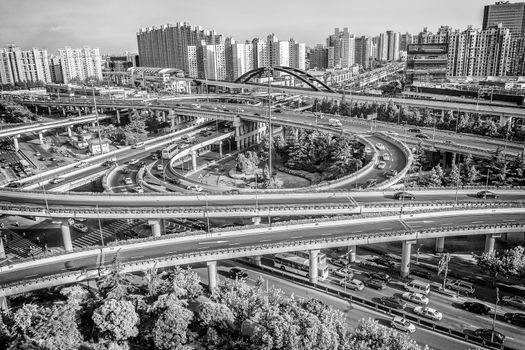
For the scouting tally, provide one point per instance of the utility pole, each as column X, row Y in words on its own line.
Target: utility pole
column 268, row 70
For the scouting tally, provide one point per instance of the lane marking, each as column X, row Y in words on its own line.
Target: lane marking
column 386, row 228
column 447, row 224
column 357, row 231
column 477, row 222
column 509, row 220
column 203, row 248
column 234, row 244
column 265, row 240
column 296, row 237
column 214, row 242
column 30, row 276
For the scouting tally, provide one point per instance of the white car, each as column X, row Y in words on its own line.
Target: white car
column 352, row 283
column 514, row 300
column 133, row 161
column 428, row 312
column 343, row 272
column 415, row 298
column 386, row 157
column 128, row 181
column 80, row 227
column 392, row 133
column 56, row 180
column 81, row 165
column 194, row 188
column 461, row 286
column 160, row 167
column 402, row 324
column 381, row 165
column 380, row 146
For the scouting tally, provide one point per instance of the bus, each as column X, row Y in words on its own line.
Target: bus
column 298, row 265
column 321, row 257
column 170, row 151
column 26, row 167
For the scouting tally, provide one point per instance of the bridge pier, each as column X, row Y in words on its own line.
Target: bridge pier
column 440, row 244
column 118, row 116
column 212, row 275
column 15, row 142
column 155, row 227
column 66, row 237
column 490, row 240
column 41, row 137
column 69, row 131
column 194, row 160
column 352, row 251
column 64, row 112
column 2, row 249
column 405, row 258
column 257, row 260
column 256, row 220
column 314, row 270
column 504, row 119
column 3, row 305
column 49, row 110
column 220, row 149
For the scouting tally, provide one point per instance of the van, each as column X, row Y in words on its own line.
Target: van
column 138, row 145
column 335, row 122
column 417, row 286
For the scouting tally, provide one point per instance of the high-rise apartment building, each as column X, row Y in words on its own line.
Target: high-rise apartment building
column 80, row 63
column 21, row 66
column 362, row 51
column 382, row 47
column 260, row 53
column 511, row 15
column 404, row 40
column 318, row 58
column 297, row 53
column 344, row 47
column 393, row 45
column 55, row 69
column 426, row 62
column 213, row 65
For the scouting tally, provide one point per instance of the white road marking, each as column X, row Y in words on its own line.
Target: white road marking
column 29, row 276
column 447, row 224
column 477, row 222
column 216, row 242
column 265, row 240
column 138, row 256
column 203, row 247
column 509, row 220
column 295, row 237
column 357, row 231
column 386, row 228
column 234, row 244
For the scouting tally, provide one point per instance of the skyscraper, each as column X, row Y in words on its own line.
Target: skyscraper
column 19, row 66
column 80, row 63
column 297, row 54
column 362, row 51
column 393, row 45
column 512, row 16
column 344, row 47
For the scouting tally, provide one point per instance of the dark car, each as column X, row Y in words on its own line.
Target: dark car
column 237, row 273
column 339, row 262
column 404, row 195
column 391, row 173
column 385, row 262
column 393, row 302
column 414, row 130
column 422, row 136
column 490, row 335
column 516, row 318
column 421, row 273
column 476, row 307
column 374, row 283
column 487, row 194
column 370, row 183
column 381, row 276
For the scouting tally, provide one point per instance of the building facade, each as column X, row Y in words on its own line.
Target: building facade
column 344, row 48
column 362, row 51
column 511, row 16
column 80, row 63
column 24, row 66
column 426, row 63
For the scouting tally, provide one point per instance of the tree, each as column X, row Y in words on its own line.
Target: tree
column 454, row 177
column 508, row 262
column 216, row 315
column 116, row 320
column 369, row 334
column 58, row 329
column 473, row 175
column 434, row 180
column 171, row 327
column 443, row 267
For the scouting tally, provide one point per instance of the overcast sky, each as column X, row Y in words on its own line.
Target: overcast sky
column 111, row 25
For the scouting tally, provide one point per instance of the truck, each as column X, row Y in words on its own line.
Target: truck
column 335, row 122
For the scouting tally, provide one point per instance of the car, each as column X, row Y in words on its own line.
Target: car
column 138, row 189
column 138, row 145
column 160, row 167
column 421, row 273
column 487, row 194
column 133, row 161
column 128, row 181
column 392, row 133
column 417, row 298
column 56, row 180
column 402, row 324
column 81, row 219
column 375, row 283
column 474, row 306
column 422, row 136
column 391, row 173
column 154, row 156
column 352, row 283
column 380, row 146
column 428, row 312
column 125, row 171
column 81, row 165
column 80, row 227
column 196, row 188
column 37, row 154
column 343, row 272
column 414, row 130
column 368, row 149
column 381, row 165
column 517, row 319
column 404, row 195
column 142, row 163
column 514, row 300
column 339, row 262
column 384, row 262
column 393, row 302
column 52, row 159
column 490, row 335
column 386, row 157
column 382, row 276
column 461, row 286
column 237, row 273
column 14, row 184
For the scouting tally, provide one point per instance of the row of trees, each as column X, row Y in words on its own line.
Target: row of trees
column 13, row 112
column 314, row 151
column 169, row 310
column 389, row 112
column 510, row 262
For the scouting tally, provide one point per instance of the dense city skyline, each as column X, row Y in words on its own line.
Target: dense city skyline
column 62, row 23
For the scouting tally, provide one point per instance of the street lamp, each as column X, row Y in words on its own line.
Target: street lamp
column 96, row 116
column 495, row 312
column 268, row 70
column 100, row 226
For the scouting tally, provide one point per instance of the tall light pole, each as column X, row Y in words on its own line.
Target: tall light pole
column 268, row 70
column 495, row 312
column 100, row 227
column 96, row 116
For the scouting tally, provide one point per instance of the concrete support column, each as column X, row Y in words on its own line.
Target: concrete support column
column 69, row 131
column 41, row 138
column 405, row 258
column 490, row 240
column 257, row 260
column 194, row 160
column 504, row 119
column 352, row 253
column 314, row 270
column 94, row 124
column 220, row 149
column 66, row 237
column 64, row 111
column 79, row 112
column 440, row 244
column 118, row 116
column 212, row 274
column 155, row 227
column 256, row 220
column 237, row 137
column 15, row 141
column 49, row 110
column 2, row 249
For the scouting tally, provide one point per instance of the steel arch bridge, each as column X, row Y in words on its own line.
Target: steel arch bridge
column 297, row 73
